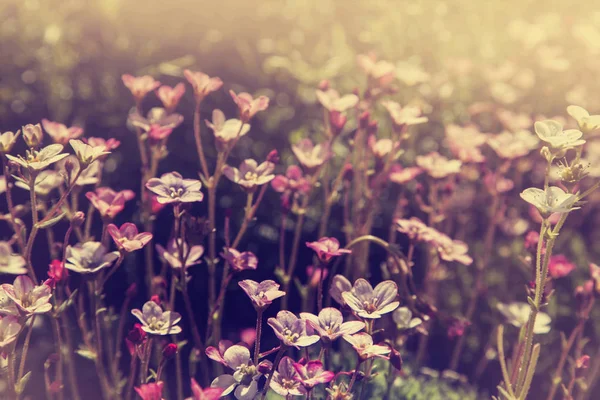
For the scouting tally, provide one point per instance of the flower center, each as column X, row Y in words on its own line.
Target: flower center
column 370, row 306
column 250, row 176
column 175, row 192
column 288, row 383
column 155, row 324
column 291, row 336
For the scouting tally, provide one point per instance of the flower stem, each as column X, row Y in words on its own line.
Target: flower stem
column 259, row 315
column 273, row 369
column 25, row 349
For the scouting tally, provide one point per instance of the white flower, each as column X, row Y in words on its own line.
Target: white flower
column 404, row 319
column 87, row 154
column 552, row 133
column 437, row 166
column 587, row 123
column 552, row 200
column 38, row 160
column 332, row 100
column 517, row 314
column 10, row 263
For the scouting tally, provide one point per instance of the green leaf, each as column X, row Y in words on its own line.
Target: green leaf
column 51, row 222
column 66, row 304
column 20, row 385
column 86, row 353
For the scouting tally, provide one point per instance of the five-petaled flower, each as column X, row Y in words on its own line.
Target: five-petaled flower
column 89, row 257
column 240, row 261
column 28, row 298
column 451, row 250
column 250, row 174
column 108, row 202
column 127, row 237
column 437, row 166
column 363, row 344
column 60, row 133
column 249, row 106
column 170, row 96
column 560, row 266
column 175, row 249
column 291, row 330
column 140, row 86
column 156, row 321
column 332, row 101
column 381, row 71
column 293, row 181
column 158, row 123
column 552, row 133
column 172, row 188
column 8, row 140
column 404, row 116
column 10, row 263
column 38, row 160
column 311, row 156
column 202, row 83
column 226, row 131
column 261, row 294
column 330, row 324
column 372, row 303
column 285, row 381
column 244, row 379
column 550, row 201
column 327, row 248
column 586, row 122
column 87, row 154
column 150, row 391
column 511, row 145
column 312, row 373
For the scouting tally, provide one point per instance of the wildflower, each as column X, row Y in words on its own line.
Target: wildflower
column 127, row 237
column 202, row 83
column 7, row 141
column 203, row 394
column 552, row 133
column 9, row 330
column 401, row 175
column 414, row 228
column 250, row 174
column 284, row 381
column 172, row 188
column 10, row 263
column 87, row 154
column 309, row 155
column 60, row 133
column 244, row 379
column 33, row 135
column 464, row 143
column 240, row 261
column 331, row 100
column 411, row 74
column 249, row 106
column 293, row 181
column 56, row 273
column 171, row 254
column 498, row 184
column 218, row 354
column 140, row 86
column 330, row 324
column 514, row 121
column 372, row 303
column 363, row 344
column 28, row 298
column 108, row 202
column 170, row 96
column 583, row 362
column 560, row 266
column 226, row 131
column 155, row 321
column 383, row 72
column 438, row 166
column 150, row 391
column 550, row 201
column 586, row 122
column 517, row 314
column 2, row 184
column 89, row 257
column 339, row 285
column 339, row 392
column 452, row 250
column 312, row 373
column 45, row 182
column 137, row 335
column 511, row 145
column 261, row 294
column 381, row 147
column 158, row 122
column 457, row 327
column 402, row 316
column 109, row 144
column 291, row 330
column 38, row 160
column 404, row 116
column 327, row 248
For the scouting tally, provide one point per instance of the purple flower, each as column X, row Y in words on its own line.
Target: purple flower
column 250, row 174
column 89, row 257
column 261, row 294
column 156, row 321
column 312, row 373
column 150, row 391
column 127, row 237
column 245, row 374
column 226, row 131
column 330, row 324
column 363, row 344
column 10, row 263
column 339, row 285
column 291, row 330
column 9, row 330
column 293, row 181
column 28, row 298
column 172, row 188
column 327, row 248
column 240, row 261
column 204, row 394
column 372, row 303
column 192, row 255
column 249, row 106
column 108, row 202
column 285, row 381
column 309, row 155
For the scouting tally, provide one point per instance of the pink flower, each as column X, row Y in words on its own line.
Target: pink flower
column 400, row 175
column 371, row 303
column 171, row 254
column 452, row 250
column 60, row 133
column 150, row 391
column 414, row 228
column 28, row 298
column 250, row 174
column 560, row 266
column 293, row 181
column 314, row 275
column 211, row 393
column 170, row 96
column 108, row 202
column 497, row 183
column 240, row 261
column 310, row 155
column 249, row 106
column 330, row 325
column 284, row 381
column 218, row 354
column 363, row 344
column 312, row 373
column 56, row 273
column 127, row 237
column 291, row 330
column 202, row 83
column 140, row 86
column 158, row 123
column 437, row 166
column 339, row 285
column 513, row 145
column 327, row 248
column 531, row 240
column 464, row 142
column 248, row 336
column 331, row 100
column 109, row 144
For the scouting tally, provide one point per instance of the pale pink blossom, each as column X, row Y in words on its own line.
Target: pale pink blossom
column 202, row 83
column 170, row 96
column 437, row 166
column 332, row 101
column 401, row 175
column 511, row 145
column 326, row 248
column 127, row 237
column 108, row 202
column 249, row 106
column 311, row 156
column 404, row 116
column 140, row 86
column 383, row 72
column 60, row 133
column 250, row 174
column 363, row 344
column 464, row 142
column 559, row 266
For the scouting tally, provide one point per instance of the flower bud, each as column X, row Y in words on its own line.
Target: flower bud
column 583, row 362
column 264, row 367
column 337, row 121
column 33, row 135
column 136, row 335
column 324, row 85
column 395, row 359
column 78, row 219
column 155, row 298
column 169, row 351
column 273, row 157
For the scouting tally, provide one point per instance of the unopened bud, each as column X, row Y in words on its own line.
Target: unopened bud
column 395, row 359
column 33, row 135
column 155, row 298
column 169, row 351
column 78, row 219
column 273, row 157
column 264, row 367
column 136, row 335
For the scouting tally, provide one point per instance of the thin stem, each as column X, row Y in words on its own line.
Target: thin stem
column 259, row 315
column 273, row 369
column 502, row 358
column 59, row 352
column 25, row 349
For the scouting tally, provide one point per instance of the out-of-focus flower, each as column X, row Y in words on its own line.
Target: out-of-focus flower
column 109, row 144
column 560, row 266
column 514, row 121
column 293, row 181
column 452, row 250
column 587, row 123
column 217, row 354
column 38, row 160
column 403, row 318
column 226, row 131
column 381, row 147
column 170, row 96
column 2, row 184
column 511, row 145
column 550, row 201
column 240, row 261
column 10, row 263
column 383, row 72
column 250, row 174
column 150, row 391
column 339, row 392
column 363, row 344
column 211, row 393
column 170, row 351
column 261, row 294
column 513, row 225
column 411, row 74
column 202, row 83
column 108, row 202
column 158, row 123
column 284, row 381
column 127, row 237
column 312, row 373
column 87, row 154
column 400, row 175
column 249, row 106
column 517, row 314
column 330, row 324
column 60, row 133
column 332, row 101
column 156, row 321
column 372, row 303
column 172, row 188
column 552, row 133
column 139, row 86
column 248, row 336
column 498, row 184
column 327, row 248
column 464, row 142
column 414, row 228
column 9, row 330
column 291, row 330
column 45, row 182
column 245, row 374
column 437, row 166
column 33, row 135
column 404, row 116
column 89, row 257
column 28, row 298
column 457, row 327
column 583, row 362
column 310, row 155
column 171, row 253
column 339, row 285
column 56, row 273
column 8, row 140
